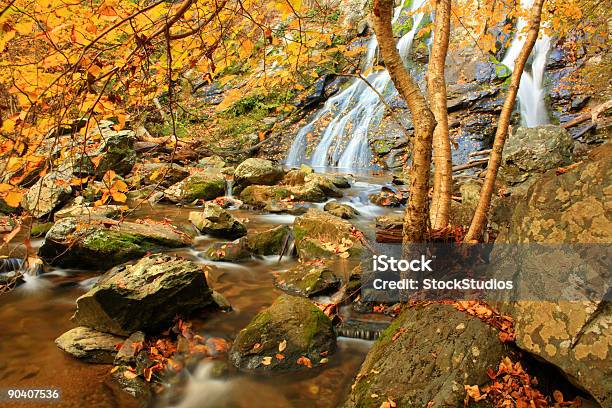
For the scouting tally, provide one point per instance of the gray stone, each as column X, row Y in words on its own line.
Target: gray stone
column 89, row 345
column 344, row 211
column 204, row 185
column 257, row 171
column 218, row 222
column 47, row 194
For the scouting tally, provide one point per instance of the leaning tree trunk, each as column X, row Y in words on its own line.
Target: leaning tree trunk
column 436, row 87
column 484, row 202
column 416, row 220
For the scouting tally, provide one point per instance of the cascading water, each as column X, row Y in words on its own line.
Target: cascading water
column 531, row 90
column 344, row 141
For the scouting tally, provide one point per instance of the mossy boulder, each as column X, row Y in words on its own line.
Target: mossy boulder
column 147, row 295
column 291, row 334
column 227, row 251
column 217, row 222
column 297, row 176
column 257, row 171
column 90, row 345
column 269, row 242
column 319, row 234
column 116, row 151
column 316, row 191
column 203, row 185
column 103, row 243
column 344, row 211
column 426, row 356
column 308, row 280
column 211, row 162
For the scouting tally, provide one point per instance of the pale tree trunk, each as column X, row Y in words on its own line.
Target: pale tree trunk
column 480, row 215
column 416, row 221
column 436, row 88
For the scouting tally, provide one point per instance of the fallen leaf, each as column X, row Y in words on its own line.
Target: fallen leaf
column 282, row 345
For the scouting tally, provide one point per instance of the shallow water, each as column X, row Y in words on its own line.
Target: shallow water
column 36, row 313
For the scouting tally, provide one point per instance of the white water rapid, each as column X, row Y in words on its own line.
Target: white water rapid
column 344, row 140
column 531, row 91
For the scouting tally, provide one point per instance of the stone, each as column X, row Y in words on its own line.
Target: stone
column 532, row 151
column 129, row 349
column 214, row 162
column 145, row 296
column 163, row 174
column 135, row 385
column 293, row 328
column 426, row 356
column 217, row 222
column 204, row 185
column 308, row 280
column 47, row 194
column 319, row 234
column 116, row 152
column 344, row 211
column 89, row 345
column 85, row 211
column 227, row 252
column 256, row 171
column 269, row 242
column 569, row 208
column 103, row 243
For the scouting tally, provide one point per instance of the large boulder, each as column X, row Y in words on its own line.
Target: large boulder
column 103, row 243
column 319, row 234
column 425, row 358
column 268, row 242
column 203, row 185
column 256, row 171
column 163, row 174
column 569, row 208
column 85, row 211
column 217, row 222
column 145, row 296
column 529, row 152
column 344, row 211
column 47, row 194
column 90, row 345
column 116, row 151
column 292, row 333
column 235, row 251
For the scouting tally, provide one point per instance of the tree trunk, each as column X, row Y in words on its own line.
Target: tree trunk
column 416, row 220
column 484, row 202
column 436, row 87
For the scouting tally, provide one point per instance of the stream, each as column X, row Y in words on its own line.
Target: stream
column 36, row 313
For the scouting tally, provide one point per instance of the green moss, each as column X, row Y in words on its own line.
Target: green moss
column 38, row 230
column 206, row 190
column 111, row 242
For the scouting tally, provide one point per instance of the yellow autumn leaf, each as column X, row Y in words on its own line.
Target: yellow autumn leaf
column 231, row 96
column 13, row 198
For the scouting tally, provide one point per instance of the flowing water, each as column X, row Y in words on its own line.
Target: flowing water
column 531, row 91
column 37, row 312
column 343, row 142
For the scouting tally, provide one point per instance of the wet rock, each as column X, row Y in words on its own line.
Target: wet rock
column 130, row 349
column 235, row 251
column 569, row 208
column 308, row 280
column 388, row 198
column 85, row 211
column 426, row 356
column 204, row 185
column 580, row 101
column 11, row 279
column 47, row 194
column 214, row 162
column 145, row 195
column 218, row 222
column 291, row 331
column 317, row 190
column 116, row 151
column 163, row 174
column 145, row 296
column 89, row 345
column 297, row 176
column 256, row 171
column 269, row 242
column 530, row 151
column 321, row 235
column 132, row 383
column 104, row 243
column 344, row 211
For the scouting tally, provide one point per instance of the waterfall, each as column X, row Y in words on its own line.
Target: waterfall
column 343, row 142
column 531, row 90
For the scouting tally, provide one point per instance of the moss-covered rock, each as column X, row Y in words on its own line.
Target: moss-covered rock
column 103, row 243
column 321, row 235
column 256, row 171
column 217, row 222
column 203, row 185
column 290, row 334
column 145, row 296
column 427, row 355
column 308, row 280
column 90, row 345
column 40, row 229
column 269, row 242
column 116, row 152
